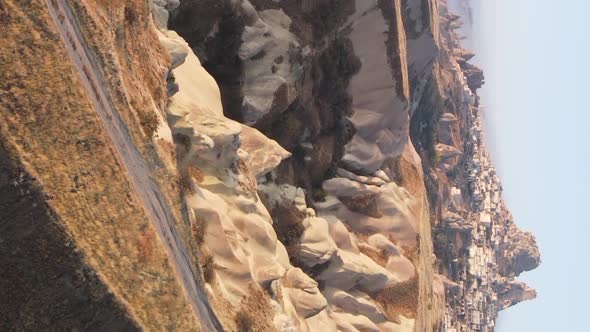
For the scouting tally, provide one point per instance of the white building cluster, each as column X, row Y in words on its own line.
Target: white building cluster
column 474, row 305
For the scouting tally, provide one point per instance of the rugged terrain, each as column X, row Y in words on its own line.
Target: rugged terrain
column 240, row 165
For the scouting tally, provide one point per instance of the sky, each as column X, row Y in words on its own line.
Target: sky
column 535, row 55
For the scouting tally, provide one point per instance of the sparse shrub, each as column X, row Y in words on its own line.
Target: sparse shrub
column 424, row 123
column 149, row 122
column 287, row 225
column 130, row 15
column 291, row 129
column 255, row 312
column 440, row 243
column 437, row 157
column 208, row 268
column 182, row 140
column 198, row 230
column 412, row 252
column 244, row 322
column 185, row 185
column 196, row 173
column 395, row 167
column 338, row 64
column 379, row 256
column 363, row 203
column 319, row 195
column 400, row 299
column 325, row 20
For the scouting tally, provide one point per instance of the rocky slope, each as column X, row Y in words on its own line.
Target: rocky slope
column 305, row 75
column 300, row 146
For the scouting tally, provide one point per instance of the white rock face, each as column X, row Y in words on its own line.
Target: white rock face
column 380, row 115
column 370, row 180
column 266, row 47
column 284, row 194
column 264, row 154
column 354, row 302
column 196, row 112
column 317, row 247
column 347, row 187
column 239, row 233
column 304, row 294
column 394, row 201
column 175, row 45
column 160, row 10
column 357, row 270
column 349, row 275
column 342, row 237
column 352, row 275
column 422, row 41
column 397, row 264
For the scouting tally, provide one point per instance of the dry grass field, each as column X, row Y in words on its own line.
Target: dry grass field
column 47, row 121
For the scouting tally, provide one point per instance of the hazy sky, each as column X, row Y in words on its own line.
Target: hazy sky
column 535, row 55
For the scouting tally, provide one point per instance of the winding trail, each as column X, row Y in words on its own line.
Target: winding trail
column 154, row 204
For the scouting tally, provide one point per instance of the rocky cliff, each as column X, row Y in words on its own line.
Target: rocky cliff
column 522, row 253
column 235, row 165
column 514, row 292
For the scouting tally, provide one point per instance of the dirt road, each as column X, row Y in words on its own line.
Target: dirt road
column 138, row 173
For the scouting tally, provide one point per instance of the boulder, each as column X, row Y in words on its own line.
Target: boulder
column 176, row 46
column 316, row 247
column 447, row 151
column 264, row 154
column 303, row 293
column 349, row 270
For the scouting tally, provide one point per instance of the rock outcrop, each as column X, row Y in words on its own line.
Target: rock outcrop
column 474, row 76
column 520, row 253
column 514, row 292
